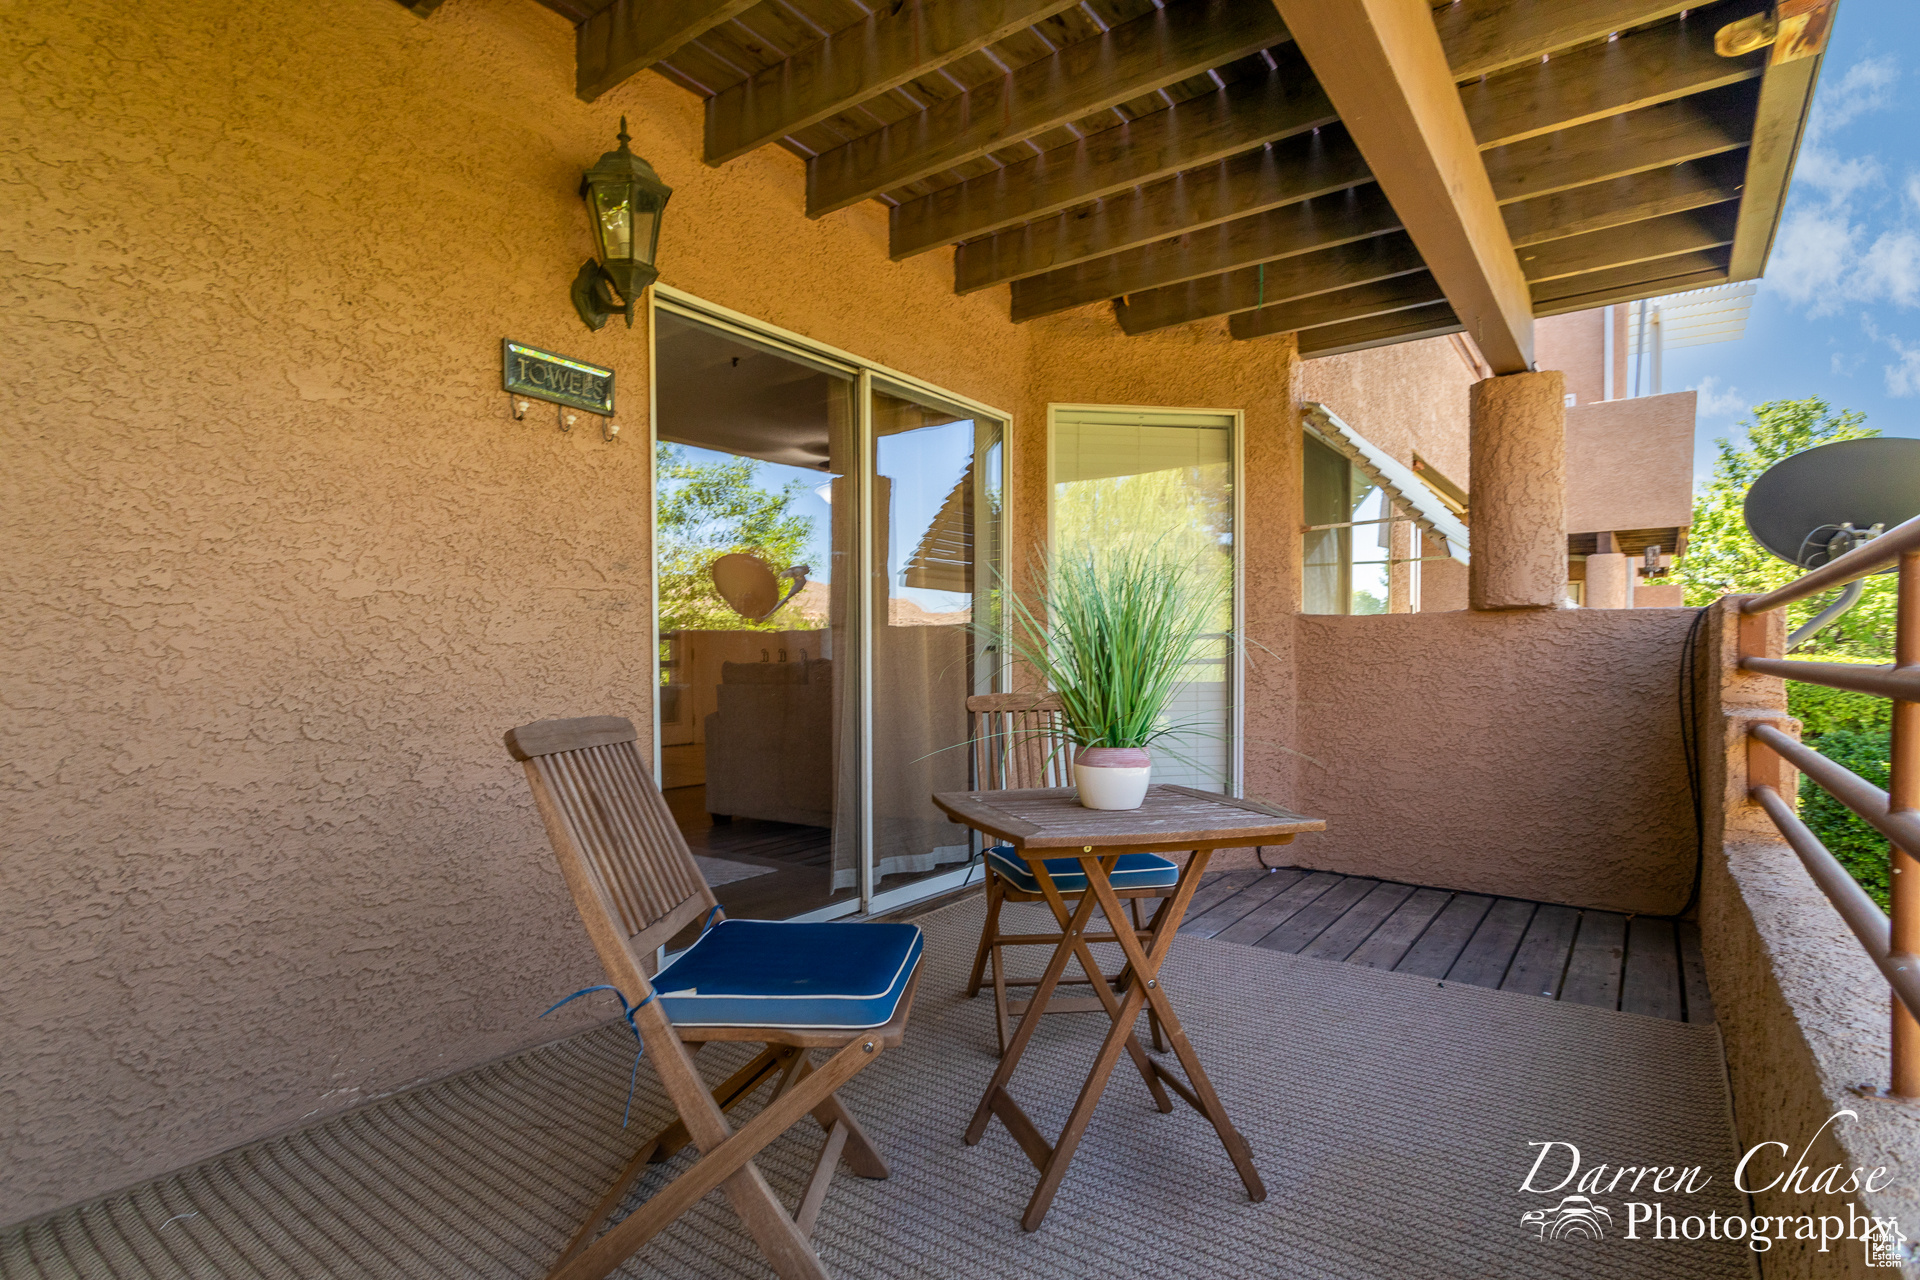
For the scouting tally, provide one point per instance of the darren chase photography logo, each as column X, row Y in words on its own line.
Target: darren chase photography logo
column 1650, row 1201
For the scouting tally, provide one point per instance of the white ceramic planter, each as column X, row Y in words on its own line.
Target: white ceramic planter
column 1112, row 777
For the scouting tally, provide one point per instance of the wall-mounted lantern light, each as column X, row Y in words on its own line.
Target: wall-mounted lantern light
column 625, row 198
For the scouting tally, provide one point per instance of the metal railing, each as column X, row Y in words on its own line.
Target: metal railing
column 1893, row 941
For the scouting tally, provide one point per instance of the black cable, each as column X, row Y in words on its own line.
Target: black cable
column 1687, row 697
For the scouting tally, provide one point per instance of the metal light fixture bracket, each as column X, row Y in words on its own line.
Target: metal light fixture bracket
column 594, row 299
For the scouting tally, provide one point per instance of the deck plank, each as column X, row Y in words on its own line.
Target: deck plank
column 1217, row 888
column 1446, row 937
column 1646, row 964
column 1386, row 946
column 1210, row 922
column 1280, row 908
column 1314, row 919
column 1488, row 955
column 1358, row 924
column 1542, row 959
column 1650, row 980
column 1593, row 970
column 1693, row 974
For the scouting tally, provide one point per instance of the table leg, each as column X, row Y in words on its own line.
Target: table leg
column 1083, row 951
column 1145, row 969
column 1030, row 1020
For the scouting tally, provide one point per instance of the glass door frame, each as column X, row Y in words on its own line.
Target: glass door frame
column 865, row 374
column 1236, row 664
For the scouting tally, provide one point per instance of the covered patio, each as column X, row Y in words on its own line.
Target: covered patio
column 288, row 551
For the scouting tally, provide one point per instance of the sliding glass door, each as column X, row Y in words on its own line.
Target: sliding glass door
column 825, row 536
column 1165, row 479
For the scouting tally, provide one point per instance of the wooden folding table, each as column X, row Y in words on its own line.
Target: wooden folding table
column 1050, row 823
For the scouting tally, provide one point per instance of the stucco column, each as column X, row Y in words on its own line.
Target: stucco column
column 1518, row 479
column 1609, row 581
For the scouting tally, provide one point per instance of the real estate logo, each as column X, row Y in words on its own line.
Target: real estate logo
column 1654, row 1200
column 1575, row 1216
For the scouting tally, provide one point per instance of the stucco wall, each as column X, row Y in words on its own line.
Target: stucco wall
column 1575, row 344
column 1498, row 753
column 1407, row 399
column 1630, row 463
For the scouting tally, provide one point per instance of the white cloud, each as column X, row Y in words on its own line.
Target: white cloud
column 1812, row 256
column 1913, row 189
column 1890, row 270
column 1866, row 86
column 1903, row 378
column 1717, row 403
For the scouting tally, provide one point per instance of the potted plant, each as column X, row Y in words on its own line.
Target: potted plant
column 1113, row 631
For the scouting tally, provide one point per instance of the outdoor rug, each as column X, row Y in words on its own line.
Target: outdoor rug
column 1389, row 1115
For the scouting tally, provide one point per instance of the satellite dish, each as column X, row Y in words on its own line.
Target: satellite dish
column 1824, row 501
column 751, row 589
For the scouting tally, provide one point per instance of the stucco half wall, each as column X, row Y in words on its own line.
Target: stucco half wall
column 1630, row 463
column 1535, row 754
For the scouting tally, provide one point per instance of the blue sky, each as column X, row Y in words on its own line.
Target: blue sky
column 1838, row 313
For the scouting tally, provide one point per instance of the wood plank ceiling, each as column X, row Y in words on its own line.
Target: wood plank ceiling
column 1181, row 160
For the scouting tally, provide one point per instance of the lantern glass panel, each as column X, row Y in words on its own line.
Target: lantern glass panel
column 614, row 212
column 644, row 230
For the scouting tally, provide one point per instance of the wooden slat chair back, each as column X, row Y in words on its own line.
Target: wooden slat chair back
column 1020, row 742
column 636, row 885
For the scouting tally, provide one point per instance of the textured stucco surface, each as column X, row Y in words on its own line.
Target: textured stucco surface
column 1630, row 463
column 1494, row 752
column 1576, row 345
column 1407, row 399
column 1803, row 1011
column 1519, row 482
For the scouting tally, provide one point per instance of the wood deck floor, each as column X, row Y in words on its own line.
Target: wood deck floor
column 1641, row 964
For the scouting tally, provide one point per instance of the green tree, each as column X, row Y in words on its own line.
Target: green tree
column 705, row 510
column 1723, row 557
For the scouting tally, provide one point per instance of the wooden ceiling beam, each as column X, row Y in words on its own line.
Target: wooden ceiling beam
column 1786, row 96
column 1433, row 321
column 628, row 36
column 1159, row 48
column 1695, row 270
column 1651, row 193
column 1303, row 227
column 1639, row 69
column 1201, row 131
column 1382, row 297
column 1676, row 233
column 1655, row 137
column 1637, row 149
column 1382, row 64
column 890, row 47
column 1269, row 177
column 1483, row 36
column 1269, row 284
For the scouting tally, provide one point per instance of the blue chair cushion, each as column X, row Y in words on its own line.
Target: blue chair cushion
column 1132, row 871
column 791, row 976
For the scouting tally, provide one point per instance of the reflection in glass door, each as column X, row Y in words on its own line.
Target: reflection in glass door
column 823, row 537
column 759, row 720
column 1165, row 479
column 935, row 526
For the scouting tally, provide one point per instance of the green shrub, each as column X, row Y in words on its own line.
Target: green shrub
column 1862, row 850
column 1821, row 710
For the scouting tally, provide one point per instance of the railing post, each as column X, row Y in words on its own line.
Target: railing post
column 1903, row 792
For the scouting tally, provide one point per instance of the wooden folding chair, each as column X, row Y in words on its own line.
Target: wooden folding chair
column 789, row 987
column 1019, row 742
